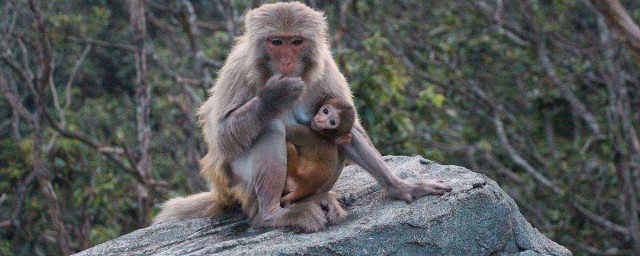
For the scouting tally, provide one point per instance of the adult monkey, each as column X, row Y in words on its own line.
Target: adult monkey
column 273, row 76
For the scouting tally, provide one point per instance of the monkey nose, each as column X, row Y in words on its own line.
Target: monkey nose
column 287, row 67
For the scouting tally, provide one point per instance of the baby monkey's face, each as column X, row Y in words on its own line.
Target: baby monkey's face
column 327, row 118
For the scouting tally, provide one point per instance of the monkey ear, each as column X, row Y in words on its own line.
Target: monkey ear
column 344, row 139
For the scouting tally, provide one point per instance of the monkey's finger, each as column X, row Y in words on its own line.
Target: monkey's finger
column 274, row 78
column 438, row 185
column 407, row 198
column 295, row 81
column 436, row 192
column 442, row 186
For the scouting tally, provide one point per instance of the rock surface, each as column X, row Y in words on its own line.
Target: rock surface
column 476, row 218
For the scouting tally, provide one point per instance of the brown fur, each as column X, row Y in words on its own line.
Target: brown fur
column 312, row 155
column 239, row 81
column 198, row 206
column 244, row 119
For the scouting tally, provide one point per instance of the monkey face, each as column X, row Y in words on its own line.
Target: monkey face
column 286, row 53
column 327, row 119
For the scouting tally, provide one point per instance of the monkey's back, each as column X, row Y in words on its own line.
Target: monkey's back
column 310, row 166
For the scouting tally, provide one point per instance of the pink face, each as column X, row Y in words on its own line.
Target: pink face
column 327, row 118
column 285, row 51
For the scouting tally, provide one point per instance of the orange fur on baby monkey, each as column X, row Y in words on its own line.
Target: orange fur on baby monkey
column 312, row 150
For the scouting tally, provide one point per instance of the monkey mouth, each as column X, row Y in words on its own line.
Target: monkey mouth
column 313, row 125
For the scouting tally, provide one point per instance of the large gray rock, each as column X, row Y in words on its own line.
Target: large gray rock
column 476, row 218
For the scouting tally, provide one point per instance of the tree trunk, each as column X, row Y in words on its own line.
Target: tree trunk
column 143, row 108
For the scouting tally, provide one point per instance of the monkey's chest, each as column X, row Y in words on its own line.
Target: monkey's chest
column 300, row 114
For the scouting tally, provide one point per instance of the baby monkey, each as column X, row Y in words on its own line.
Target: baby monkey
column 312, row 151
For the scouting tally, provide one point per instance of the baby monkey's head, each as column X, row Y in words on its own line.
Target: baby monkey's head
column 334, row 119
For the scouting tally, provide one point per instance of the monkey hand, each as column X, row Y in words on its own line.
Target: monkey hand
column 330, row 205
column 409, row 190
column 281, row 92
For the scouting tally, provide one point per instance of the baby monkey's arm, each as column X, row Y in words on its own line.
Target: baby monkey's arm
column 298, row 133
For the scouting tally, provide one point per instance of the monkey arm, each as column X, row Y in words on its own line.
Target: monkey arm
column 361, row 151
column 241, row 126
column 298, row 133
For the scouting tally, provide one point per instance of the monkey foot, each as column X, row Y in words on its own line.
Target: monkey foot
column 408, row 191
column 306, row 217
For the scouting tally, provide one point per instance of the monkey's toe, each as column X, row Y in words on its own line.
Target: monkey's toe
column 311, row 217
column 331, row 207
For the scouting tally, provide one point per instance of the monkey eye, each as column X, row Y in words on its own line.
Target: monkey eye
column 325, row 111
column 298, row 41
column 276, row 41
column 332, row 122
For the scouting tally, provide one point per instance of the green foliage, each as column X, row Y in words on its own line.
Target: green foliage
column 380, row 83
column 429, row 95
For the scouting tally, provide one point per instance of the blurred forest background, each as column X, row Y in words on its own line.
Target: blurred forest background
column 97, row 124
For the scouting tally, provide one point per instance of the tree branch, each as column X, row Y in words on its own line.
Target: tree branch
column 172, row 74
column 539, row 177
column 143, row 107
column 567, row 93
column 97, row 42
column 16, row 68
column 13, row 99
column 74, row 72
column 189, row 24
column 110, row 154
column 3, row 198
column 617, row 17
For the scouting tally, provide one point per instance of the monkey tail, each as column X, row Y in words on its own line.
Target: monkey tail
column 194, row 206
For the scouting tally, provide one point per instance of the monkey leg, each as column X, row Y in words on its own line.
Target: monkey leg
column 267, row 163
column 292, row 168
column 362, row 152
column 292, row 159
